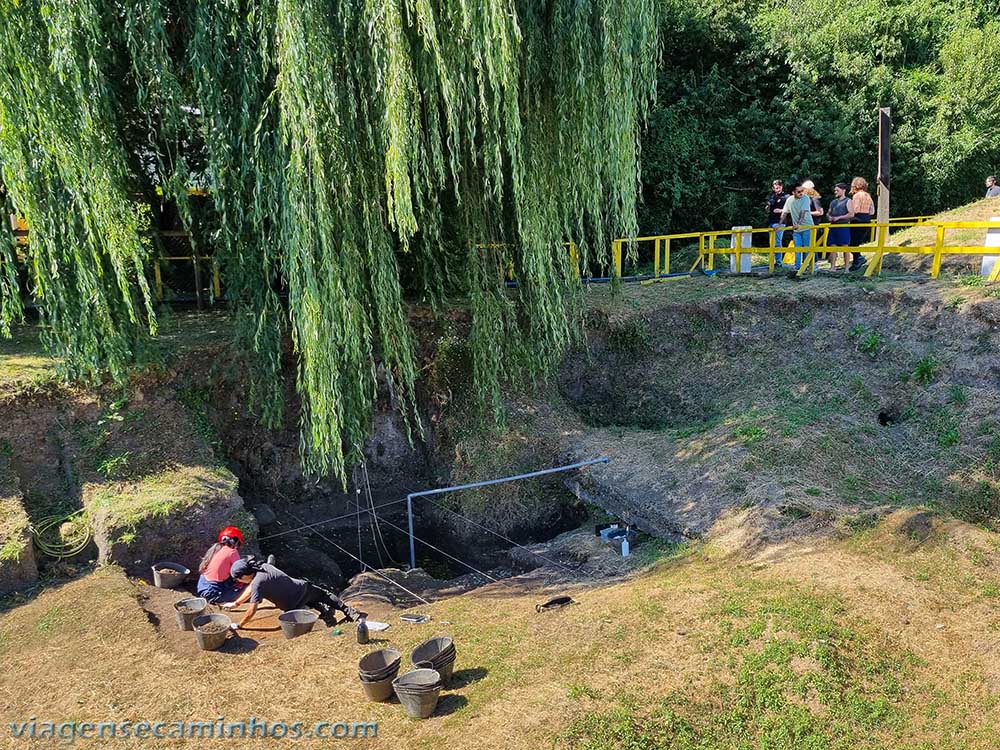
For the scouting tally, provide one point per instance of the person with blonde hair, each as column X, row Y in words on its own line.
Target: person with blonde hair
column 863, row 207
column 817, row 210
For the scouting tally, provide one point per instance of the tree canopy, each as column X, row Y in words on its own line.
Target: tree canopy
column 341, row 142
column 762, row 89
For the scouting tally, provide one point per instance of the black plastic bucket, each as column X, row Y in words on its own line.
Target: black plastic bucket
column 168, row 575
column 188, row 609
column 297, row 622
column 213, row 640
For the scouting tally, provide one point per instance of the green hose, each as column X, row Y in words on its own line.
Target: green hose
column 62, row 548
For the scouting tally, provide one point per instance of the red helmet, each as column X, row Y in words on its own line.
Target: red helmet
column 233, row 532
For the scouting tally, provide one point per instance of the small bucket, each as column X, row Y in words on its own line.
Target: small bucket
column 297, row 622
column 418, row 692
column 212, row 640
column 438, row 654
column 168, row 575
column 376, row 665
column 418, row 681
column 433, row 650
column 380, row 690
column 188, row 609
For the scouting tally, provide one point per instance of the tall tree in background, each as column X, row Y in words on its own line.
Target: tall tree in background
column 339, row 140
column 764, row 89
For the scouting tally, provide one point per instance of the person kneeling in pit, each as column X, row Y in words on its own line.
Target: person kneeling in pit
column 265, row 581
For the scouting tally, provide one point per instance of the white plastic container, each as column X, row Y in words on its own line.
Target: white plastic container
column 746, row 243
column 992, row 240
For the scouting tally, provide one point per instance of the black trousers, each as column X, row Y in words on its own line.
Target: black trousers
column 327, row 602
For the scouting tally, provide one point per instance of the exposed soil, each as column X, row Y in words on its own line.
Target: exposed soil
column 212, row 628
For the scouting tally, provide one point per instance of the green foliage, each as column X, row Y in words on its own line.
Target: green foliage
column 958, row 396
column 753, row 91
column 115, row 467
column 869, row 342
column 925, row 370
column 355, row 153
column 800, row 679
column 749, row 434
column 945, row 427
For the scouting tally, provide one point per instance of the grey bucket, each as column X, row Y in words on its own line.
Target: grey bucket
column 377, row 665
column 184, row 619
column 433, row 650
column 297, row 622
column 211, row 641
column 418, row 692
column 438, row 654
column 380, row 690
column 169, row 580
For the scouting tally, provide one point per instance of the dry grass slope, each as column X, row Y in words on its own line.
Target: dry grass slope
column 832, row 646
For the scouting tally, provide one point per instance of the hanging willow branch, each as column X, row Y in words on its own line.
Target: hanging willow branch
column 341, row 142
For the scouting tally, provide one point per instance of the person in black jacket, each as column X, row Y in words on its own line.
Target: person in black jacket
column 775, row 206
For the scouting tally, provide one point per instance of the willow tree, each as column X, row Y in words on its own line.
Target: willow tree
column 340, row 141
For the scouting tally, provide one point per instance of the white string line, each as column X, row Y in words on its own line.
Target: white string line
column 373, row 570
column 438, row 549
column 506, row 539
column 328, row 520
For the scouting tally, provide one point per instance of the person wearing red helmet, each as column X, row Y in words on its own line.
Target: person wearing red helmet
column 214, row 582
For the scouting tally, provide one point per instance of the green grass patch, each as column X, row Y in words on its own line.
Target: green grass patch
column 925, row 370
column 800, row 677
column 160, row 495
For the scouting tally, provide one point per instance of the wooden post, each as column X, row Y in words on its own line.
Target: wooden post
column 884, row 163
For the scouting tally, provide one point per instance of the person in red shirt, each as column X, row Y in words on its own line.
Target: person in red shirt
column 214, row 582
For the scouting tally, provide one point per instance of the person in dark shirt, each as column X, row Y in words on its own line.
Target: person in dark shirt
column 775, row 206
column 265, row 581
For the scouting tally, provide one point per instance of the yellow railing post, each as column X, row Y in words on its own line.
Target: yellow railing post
column 772, row 240
column 656, row 257
column 574, row 259
column 666, row 256
column 938, row 249
column 809, row 258
column 876, row 264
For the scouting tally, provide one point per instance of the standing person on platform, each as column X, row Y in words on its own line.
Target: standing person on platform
column 798, row 210
column 840, row 236
column 775, row 210
column 864, row 208
column 817, row 210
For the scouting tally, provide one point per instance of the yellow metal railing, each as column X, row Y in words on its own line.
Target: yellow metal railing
column 710, row 245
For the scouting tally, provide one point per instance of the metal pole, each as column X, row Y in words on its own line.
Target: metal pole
column 487, row 483
column 409, row 518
